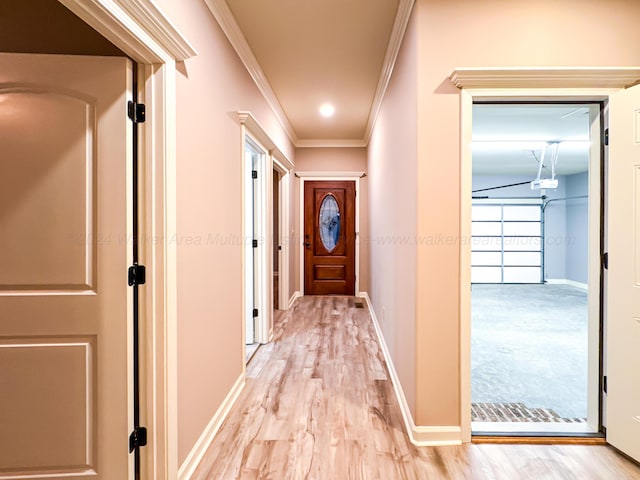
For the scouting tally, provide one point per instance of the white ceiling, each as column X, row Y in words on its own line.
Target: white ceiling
column 508, row 139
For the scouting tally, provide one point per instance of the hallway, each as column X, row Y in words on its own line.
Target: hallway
column 318, row 404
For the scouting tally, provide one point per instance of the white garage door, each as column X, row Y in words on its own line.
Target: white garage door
column 506, row 244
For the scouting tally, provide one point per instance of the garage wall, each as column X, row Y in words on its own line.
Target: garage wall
column 577, row 212
column 489, row 181
column 566, row 222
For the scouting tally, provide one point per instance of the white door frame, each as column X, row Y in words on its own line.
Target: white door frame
column 329, row 177
column 255, row 259
column 142, row 31
column 273, row 158
column 284, row 204
column 560, row 84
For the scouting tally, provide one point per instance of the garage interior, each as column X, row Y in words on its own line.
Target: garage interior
column 529, row 267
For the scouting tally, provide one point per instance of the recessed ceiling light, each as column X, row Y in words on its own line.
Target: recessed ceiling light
column 327, row 110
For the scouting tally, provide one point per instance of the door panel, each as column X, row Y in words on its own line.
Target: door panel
column 623, row 276
column 64, row 301
column 59, row 422
column 329, row 238
column 46, row 169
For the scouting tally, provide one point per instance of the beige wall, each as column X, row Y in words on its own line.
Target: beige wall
column 413, row 165
column 211, row 87
column 468, row 33
column 334, row 160
column 392, row 158
column 488, row 33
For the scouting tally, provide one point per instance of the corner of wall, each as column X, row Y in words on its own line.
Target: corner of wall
column 296, row 295
column 196, row 454
column 419, row 435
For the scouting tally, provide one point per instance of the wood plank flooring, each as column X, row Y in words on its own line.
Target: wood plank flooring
column 318, row 404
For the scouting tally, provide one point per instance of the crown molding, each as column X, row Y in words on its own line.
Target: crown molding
column 395, row 41
column 250, row 122
column 147, row 14
column 227, row 22
column 114, row 18
column 330, row 174
column 549, row 77
column 331, row 143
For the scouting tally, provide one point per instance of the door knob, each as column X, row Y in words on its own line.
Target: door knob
column 307, row 244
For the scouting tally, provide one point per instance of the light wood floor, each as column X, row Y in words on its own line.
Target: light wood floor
column 318, row 404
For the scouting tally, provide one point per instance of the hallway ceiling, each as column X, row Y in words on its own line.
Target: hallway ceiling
column 316, row 51
column 507, row 139
column 303, row 53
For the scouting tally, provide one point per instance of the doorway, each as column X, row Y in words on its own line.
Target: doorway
column 329, row 237
column 277, row 247
column 280, row 240
column 535, row 243
column 254, row 240
column 617, row 387
column 265, row 230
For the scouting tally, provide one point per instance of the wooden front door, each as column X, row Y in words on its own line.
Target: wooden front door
column 65, row 306
column 329, row 238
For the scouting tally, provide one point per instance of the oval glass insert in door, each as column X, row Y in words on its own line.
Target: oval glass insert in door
column 329, row 222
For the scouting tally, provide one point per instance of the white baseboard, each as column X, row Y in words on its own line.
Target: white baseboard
column 433, row 436
column 296, row 295
column 395, row 380
column 565, row 281
column 197, row 452
column 419, row 435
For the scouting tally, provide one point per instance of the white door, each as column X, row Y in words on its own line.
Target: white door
column 623, row 284
column 65, row 150
column 249, row 251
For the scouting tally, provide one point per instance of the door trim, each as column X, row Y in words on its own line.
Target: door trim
column 328, row 176
column 275, row 159
column 544, row 77
column 279, row 161
column 147, row 36
column 256, row 200
column 283, row 233
column 493, row 89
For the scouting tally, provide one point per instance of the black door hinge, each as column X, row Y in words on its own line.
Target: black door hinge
column 604, row 384
column 606, row 136
column 137, row 275
column 254, row 243
column 255, row 312
column 136, row 111
column 254, row 174
column 605, row 260
column 138, row 438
